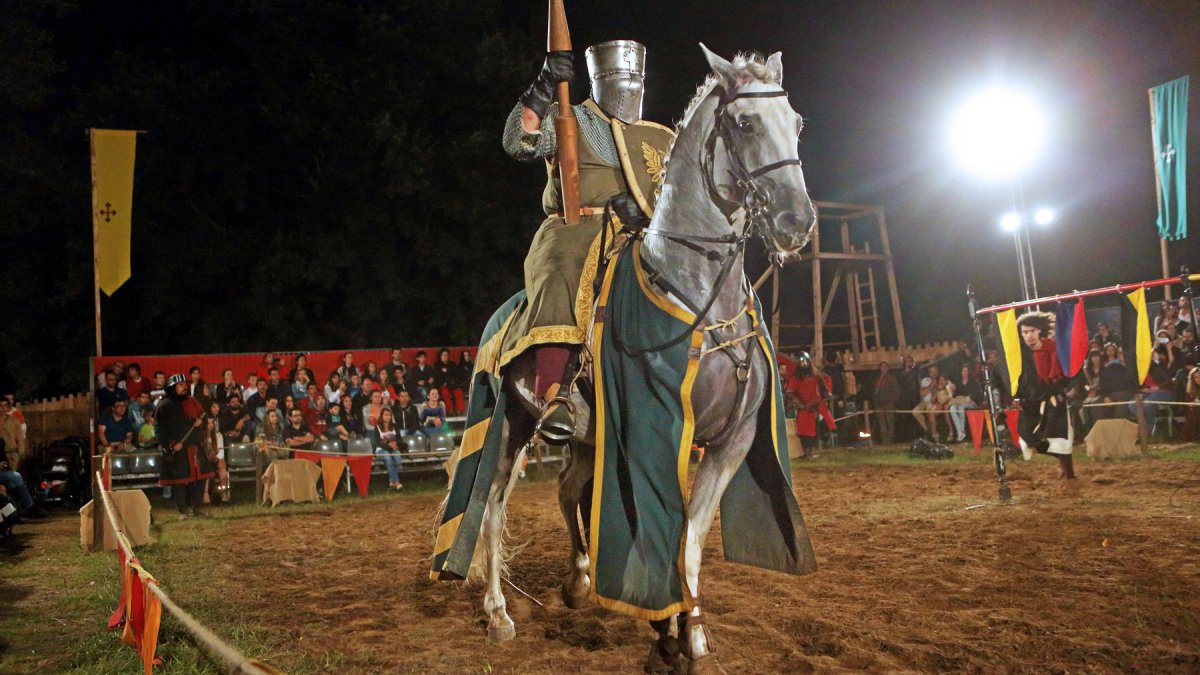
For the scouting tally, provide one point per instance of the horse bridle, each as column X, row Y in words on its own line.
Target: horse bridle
column 754, row 203
column 755, row 198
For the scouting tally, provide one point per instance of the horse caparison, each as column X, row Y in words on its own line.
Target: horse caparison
column 733, row 173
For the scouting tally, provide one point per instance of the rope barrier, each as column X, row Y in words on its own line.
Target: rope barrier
column 910, row 411
column 230, row 657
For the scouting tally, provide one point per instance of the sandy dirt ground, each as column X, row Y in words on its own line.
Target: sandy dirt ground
column 1103, row 576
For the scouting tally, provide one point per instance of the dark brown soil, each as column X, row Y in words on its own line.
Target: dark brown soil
column 1101, row 576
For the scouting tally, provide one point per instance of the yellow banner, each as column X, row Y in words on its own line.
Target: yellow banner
column 1010, row 338
column 112, row 203
column 1144, row 346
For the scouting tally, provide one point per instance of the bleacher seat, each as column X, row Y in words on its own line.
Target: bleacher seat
column 417, row 441
column 145, row 462
column 329, row 446
column 359, row 446
column 442, row 441
column 240, row 455
column 119, row 464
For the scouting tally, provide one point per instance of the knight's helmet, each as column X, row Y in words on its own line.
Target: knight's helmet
column 618, row 73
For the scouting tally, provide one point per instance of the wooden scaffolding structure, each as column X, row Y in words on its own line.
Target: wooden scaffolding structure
column 849, row 255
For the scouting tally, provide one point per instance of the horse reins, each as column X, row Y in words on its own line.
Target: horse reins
column 754, row 203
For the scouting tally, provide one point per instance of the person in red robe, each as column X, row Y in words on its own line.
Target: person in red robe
column 807, row 392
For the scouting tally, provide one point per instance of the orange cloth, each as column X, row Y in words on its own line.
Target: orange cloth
column 331, row 472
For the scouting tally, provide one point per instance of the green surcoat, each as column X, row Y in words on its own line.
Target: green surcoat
column 562, row 259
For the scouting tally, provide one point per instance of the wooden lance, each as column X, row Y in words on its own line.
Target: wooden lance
column 558, row 39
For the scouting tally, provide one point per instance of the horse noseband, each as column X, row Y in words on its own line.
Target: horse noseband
column 755, row 197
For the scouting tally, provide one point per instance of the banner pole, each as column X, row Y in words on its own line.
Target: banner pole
column 1166, row 264
column 95, row 243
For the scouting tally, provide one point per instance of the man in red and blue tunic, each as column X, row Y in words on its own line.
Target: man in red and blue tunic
column 1045, row 424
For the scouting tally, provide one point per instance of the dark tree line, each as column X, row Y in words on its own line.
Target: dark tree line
column 315, row 175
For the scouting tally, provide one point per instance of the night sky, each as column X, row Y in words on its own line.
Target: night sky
column 878, row 82
column 320, row 176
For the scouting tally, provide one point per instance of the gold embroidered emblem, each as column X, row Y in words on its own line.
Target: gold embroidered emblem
column 654, row 167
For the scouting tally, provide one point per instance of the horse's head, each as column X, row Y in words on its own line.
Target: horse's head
column 751, row 152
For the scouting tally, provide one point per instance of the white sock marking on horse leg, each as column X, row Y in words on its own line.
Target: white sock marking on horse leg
column 692, row 551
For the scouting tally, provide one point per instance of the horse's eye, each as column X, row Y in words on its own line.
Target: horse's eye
column 744, row 124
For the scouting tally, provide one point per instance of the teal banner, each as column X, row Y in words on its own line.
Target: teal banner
column 1168, row 105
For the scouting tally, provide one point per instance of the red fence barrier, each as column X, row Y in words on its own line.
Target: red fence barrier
column 321, row 362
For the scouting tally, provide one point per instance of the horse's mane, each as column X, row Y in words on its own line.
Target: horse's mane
column 752, row 63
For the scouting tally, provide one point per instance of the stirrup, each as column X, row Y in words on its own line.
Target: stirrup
column 557, row 424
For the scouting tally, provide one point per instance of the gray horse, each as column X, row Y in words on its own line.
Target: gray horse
column 732, row 173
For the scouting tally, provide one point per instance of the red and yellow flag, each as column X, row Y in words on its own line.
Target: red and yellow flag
column 112, row 203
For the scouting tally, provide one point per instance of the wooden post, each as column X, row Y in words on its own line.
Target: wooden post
column 1139, row 406
column 851, row 292
column 97, row 507
column 558, row 39
column 1166, row 264
column 258, row 474
column 818, row 343
column 95, row 243
column 891, row 274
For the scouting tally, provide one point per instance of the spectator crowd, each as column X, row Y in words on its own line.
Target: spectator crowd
column 929, row 400
column 285, row 405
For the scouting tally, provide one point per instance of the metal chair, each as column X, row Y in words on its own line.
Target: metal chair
column 145, row 462
column 330, row 446
column 119, row 465
column 360, row 446
column 239, row 455
column 441, row 442
column 417, row 441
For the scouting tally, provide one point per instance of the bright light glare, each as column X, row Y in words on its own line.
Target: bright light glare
column 997, row 133
column 1043, row 216
column 1009, row 222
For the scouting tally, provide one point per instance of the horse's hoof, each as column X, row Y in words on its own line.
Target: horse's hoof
column 665, row 657
column 574, row 601
column 497, row 634
column 705, row 665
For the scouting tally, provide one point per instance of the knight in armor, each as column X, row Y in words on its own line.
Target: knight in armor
column 180, row 431
column 1045, row 425
column 808, row 392
column 620, row 165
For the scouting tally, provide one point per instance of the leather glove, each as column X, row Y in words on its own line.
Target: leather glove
column 626, row 208
column 558, row 67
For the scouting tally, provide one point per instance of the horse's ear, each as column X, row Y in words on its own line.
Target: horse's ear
column 775, row 66
column 730, row 79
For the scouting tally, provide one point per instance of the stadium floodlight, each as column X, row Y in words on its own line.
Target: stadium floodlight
column 997, row 133
column 1009, row 222
column 1043, row 216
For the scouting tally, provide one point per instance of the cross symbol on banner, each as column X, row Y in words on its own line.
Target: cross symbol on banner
column 1168, row 155
column 108, row 212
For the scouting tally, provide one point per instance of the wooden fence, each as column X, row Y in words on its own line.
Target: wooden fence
column 53, row 418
